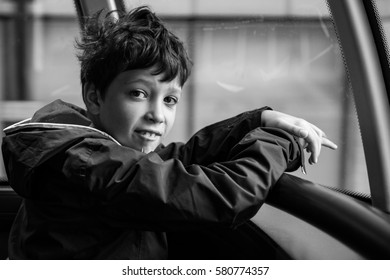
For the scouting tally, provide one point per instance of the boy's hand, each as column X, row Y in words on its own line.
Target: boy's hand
column 311, row 137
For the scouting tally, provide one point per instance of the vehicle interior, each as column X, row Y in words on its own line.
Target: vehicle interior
column 324, row 61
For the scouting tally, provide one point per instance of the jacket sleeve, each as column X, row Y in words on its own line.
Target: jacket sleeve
column 213, row 143
column 130, row 189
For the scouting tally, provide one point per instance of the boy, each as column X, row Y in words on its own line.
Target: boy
column 98, row 184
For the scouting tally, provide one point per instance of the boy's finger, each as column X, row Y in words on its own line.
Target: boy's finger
column 328, row 143
column 314, row 148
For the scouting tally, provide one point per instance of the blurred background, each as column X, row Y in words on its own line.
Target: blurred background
column 247, row 54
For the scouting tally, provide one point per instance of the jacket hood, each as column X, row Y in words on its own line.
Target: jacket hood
column 30, row 143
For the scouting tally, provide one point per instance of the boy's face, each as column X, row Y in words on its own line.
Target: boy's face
column 138, row 109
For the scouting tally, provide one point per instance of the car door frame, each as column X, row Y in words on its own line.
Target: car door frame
column 362, row 43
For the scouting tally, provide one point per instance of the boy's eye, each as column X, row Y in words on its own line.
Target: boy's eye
column 138, row 94
column 171, row 100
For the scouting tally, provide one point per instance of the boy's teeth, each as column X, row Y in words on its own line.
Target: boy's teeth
column 148, row 134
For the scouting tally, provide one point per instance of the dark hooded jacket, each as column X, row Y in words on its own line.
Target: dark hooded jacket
column 87, row 197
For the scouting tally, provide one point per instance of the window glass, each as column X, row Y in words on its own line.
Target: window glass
column 284, row 54
column 37, row 57
column 246, row 54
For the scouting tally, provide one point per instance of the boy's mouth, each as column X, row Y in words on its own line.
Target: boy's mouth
column 149, row 135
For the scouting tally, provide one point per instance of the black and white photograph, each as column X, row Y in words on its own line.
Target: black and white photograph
column 194, row 139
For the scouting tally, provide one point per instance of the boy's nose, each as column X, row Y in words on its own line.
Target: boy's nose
column 155, row 113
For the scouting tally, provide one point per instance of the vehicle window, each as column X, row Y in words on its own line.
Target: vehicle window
column 246, row 54
column 37, row 61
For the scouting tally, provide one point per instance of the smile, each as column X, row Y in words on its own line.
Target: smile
column 149, row 135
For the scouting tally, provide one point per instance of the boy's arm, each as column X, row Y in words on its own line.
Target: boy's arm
column 129, row 189
column 213, row 142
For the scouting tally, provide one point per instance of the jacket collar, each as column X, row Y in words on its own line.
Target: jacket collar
column 57, row 115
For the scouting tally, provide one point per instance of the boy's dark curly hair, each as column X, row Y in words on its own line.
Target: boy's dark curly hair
column 134, row 40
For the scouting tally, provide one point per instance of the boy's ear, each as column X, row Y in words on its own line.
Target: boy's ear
column 92, row 98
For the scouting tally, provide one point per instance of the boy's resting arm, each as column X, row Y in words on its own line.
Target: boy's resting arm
column 129, row 189
column 213, row 143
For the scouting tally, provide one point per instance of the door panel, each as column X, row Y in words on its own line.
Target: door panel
column 9, row 205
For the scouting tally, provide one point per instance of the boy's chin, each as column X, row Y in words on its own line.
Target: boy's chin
column 148, row 149
column 142, row 148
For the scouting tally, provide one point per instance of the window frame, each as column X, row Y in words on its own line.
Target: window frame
column 357, row 27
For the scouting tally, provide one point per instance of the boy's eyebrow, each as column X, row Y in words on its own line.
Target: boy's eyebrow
column 174, row 89
column 141, row 79
column 177, row 94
